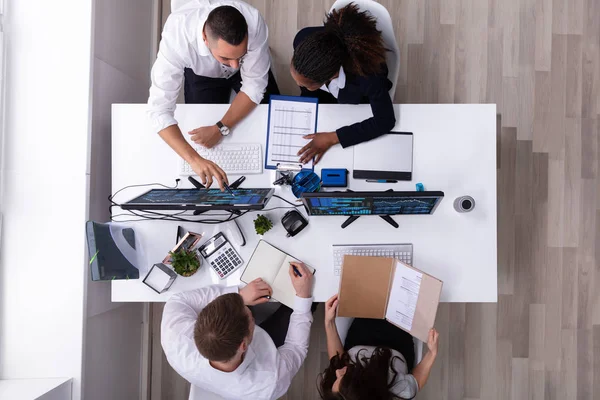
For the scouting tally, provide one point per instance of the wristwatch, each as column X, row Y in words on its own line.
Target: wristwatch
column 224, row 130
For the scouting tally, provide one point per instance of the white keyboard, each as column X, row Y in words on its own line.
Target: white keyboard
column 402, row 252
column 235, row 159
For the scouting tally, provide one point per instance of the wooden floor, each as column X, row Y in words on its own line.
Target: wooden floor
column 539, row 61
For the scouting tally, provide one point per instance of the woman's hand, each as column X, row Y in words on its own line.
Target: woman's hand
column 331, row 309
column 432, row 341
column 320, row 143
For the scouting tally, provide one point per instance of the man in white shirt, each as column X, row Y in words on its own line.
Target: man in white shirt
column 210, row 339
column 216, row 47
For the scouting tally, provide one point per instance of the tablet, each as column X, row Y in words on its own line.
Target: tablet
column 200, row 199
column 389, row 156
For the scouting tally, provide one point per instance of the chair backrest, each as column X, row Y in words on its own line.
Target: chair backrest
column 385, row 25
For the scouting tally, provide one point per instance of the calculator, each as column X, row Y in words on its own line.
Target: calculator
column 221, row 255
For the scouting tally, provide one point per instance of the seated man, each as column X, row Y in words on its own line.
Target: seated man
column 217, row 46
column 210, row 339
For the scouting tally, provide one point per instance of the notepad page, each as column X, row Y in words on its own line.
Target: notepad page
column 283, row 289
column 289, row 121
column 404, row 294
column 265, row 264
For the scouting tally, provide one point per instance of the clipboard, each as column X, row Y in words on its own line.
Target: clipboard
column 285, row 128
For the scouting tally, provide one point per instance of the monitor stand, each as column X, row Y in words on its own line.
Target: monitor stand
column 386, row 218
column 234, row 185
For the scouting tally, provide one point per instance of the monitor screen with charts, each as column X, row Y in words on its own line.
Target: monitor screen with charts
column 200, row 199
column 371, row 203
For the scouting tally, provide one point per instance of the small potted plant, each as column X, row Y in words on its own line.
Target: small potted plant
column 262, row 224
column 185, row 262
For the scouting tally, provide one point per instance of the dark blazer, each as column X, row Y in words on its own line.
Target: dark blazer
column 373, row 89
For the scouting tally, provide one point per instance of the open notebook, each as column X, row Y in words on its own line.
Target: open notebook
column 272, row 265
column 386, row 288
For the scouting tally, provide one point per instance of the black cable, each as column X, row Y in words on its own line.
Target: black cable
column 287, row 201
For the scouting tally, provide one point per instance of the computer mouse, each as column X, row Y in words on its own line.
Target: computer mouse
column 293, row 222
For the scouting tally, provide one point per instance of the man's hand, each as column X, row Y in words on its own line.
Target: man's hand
column 206, row 169
column 255, row 292
column 432, row 341
column 330, row 310
column 302, row 284
column 320, row 143
column 207, row 136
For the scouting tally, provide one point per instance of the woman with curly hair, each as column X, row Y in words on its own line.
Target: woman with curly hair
column 344, row 62
column 375, row 363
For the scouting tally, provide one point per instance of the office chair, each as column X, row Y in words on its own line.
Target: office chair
column 386, row 26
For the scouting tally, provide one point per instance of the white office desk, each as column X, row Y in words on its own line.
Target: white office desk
column 454, row 151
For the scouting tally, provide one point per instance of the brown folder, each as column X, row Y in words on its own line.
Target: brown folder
column 365, row 287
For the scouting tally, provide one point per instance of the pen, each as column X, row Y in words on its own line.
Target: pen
column 296, row 271
column 228, row 189
column 382, row 180
column 266, row 297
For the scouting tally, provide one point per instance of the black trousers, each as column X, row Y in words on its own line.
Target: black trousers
column 380, row 333
column 278, row 323
column 203, row 90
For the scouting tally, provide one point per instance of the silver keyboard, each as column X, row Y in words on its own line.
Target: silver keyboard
column 402, row 252
column 234, row 158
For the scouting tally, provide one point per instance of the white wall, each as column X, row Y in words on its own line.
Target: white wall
column 123, row 33
column 45, row 188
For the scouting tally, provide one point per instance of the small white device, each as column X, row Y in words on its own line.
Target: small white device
column 233, row 158
column 402, row 252
column 221, row 255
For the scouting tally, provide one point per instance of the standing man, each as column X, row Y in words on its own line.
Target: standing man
column 209, row 338
column 212, row 47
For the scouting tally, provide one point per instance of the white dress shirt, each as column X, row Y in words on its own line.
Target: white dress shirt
column 336, row 84
column 182, row 47
column 266, row 371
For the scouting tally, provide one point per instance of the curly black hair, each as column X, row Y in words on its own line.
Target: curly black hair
column 350, row 39
column 365, row 378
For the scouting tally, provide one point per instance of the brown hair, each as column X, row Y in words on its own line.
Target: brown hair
column 350, row 39
column 221, row 327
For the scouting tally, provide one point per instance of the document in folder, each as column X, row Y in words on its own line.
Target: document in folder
column 290, row 119
column 386, row 288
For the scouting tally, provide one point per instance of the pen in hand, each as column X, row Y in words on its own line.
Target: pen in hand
column 228, row 189
column 296, row 271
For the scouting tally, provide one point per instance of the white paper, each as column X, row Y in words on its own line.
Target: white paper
column 391, row 152
column 289, row 121
column 157, row 279
column 403, row 296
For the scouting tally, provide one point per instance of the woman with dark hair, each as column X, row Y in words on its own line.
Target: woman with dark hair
column 344, row 62
column 374, row 363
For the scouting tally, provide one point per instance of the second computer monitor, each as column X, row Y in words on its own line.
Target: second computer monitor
column 371, row 203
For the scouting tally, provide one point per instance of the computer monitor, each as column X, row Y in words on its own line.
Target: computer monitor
column 383, row 204
column 200, row 199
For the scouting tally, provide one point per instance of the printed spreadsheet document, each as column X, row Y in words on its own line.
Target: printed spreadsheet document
column 402, row 303
column 289, row 121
